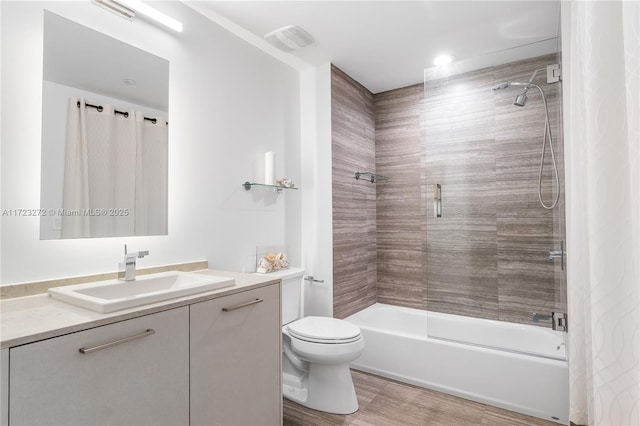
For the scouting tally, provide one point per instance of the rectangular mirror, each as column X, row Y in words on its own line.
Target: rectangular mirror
column 104, row 135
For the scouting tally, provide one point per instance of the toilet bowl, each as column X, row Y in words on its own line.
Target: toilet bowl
column 316, row 353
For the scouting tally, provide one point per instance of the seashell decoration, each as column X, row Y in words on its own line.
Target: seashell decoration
column 287, row 183
column 272, row 262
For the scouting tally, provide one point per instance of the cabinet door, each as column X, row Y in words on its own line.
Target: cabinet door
column 4, row 390
column 138, row 381
column 235, row 359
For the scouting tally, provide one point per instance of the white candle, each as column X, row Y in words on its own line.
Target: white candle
column 269, row 168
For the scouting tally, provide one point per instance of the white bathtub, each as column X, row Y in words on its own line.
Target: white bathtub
column 530, row 375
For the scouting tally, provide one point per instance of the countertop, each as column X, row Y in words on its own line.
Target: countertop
column 31, row 318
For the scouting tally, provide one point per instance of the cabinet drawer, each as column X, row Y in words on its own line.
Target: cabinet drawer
column 235, row 359
column 131, row 372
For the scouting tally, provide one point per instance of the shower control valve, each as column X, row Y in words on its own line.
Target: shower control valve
column 557, row 254
column 553, row 254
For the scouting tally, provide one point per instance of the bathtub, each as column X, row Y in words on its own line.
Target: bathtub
column 518, row 367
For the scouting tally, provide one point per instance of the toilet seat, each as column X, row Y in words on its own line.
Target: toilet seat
column 324, row 330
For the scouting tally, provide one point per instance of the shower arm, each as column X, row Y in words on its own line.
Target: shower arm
column 533, row 76
column 528, row 84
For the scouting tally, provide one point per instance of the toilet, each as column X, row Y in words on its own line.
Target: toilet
column 316, row 353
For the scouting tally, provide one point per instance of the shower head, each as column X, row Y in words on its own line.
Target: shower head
column 521, row 99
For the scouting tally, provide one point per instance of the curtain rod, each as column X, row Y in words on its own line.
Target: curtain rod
column 126, row 114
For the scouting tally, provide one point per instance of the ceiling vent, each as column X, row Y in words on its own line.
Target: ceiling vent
column 289, row 38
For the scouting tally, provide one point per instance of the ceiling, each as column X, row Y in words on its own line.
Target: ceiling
column 77, row 56
column 388, row 44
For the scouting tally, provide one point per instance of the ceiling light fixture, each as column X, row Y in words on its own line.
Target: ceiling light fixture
column 127, row 9
column 116, row 8
column 442, row 60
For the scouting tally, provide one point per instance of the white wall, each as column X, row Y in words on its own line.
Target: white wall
column 228, row 102
column 317, row 221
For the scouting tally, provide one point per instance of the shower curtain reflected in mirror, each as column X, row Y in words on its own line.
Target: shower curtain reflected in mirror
column 115, row 173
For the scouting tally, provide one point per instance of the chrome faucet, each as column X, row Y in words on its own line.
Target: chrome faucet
column 127, row 270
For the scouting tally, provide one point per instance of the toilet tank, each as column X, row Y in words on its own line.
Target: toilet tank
column 291, row 292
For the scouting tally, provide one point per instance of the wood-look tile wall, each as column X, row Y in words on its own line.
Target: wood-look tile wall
column 401, row 206
column 487, row 255
column 462, row 270
column 527, row 283
column 354, row 201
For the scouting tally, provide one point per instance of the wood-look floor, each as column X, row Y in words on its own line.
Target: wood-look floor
column 385, row 402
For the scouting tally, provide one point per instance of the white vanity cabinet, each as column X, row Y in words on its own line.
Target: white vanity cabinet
column 133, row 372
column 235, row 359
column 4, row 389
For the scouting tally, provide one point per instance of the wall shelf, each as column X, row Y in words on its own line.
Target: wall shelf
column 371, row 177
column 248, row 185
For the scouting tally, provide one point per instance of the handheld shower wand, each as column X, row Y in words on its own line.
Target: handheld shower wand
column 520, row 101
column 500, row 86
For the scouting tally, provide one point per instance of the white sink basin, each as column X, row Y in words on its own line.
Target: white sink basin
column 114, row 295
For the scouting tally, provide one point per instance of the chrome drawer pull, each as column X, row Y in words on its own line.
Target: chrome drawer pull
column 242, row 305
column 148, row 332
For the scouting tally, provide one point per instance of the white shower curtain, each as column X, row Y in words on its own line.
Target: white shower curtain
column 601, row 49
column 113, row 182
column 151, row 176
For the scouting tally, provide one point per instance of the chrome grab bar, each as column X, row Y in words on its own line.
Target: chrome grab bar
column 242, row 305
column 85, row 351
column 313, row 280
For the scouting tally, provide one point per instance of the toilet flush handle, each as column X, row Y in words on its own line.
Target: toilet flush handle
column 313, row 280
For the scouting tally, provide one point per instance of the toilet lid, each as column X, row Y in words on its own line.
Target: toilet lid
column 324, row 329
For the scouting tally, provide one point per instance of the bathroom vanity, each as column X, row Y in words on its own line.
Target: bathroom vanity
column 211, row 358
